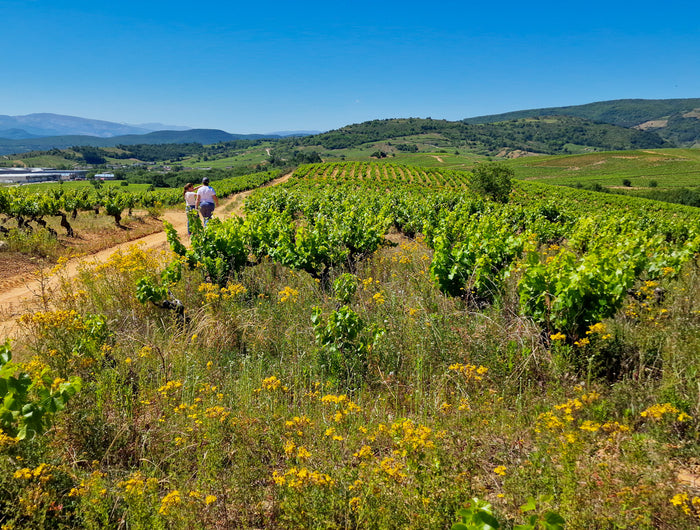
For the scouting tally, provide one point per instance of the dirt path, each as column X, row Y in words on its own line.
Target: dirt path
column 22, row 298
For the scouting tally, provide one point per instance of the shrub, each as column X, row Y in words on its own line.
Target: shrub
column 493, row 180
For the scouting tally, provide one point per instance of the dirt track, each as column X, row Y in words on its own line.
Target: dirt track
column 23, row 298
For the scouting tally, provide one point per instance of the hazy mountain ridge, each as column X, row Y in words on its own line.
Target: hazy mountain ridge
column 606, row 125
column 201, row 136
column 47, row 124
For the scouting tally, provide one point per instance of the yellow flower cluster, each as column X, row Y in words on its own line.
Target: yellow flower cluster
column 614, row 427
column 557, row 336
column 271, row 384
column 469, row 371
column 299, row 478
column 345, row 406
column 364, row 452
column 330, row 431
column 690, row 506
column 548, row 420
column 170, row 386
column 233, row 290
column 40, row 473
column 214, row 292
column 137, row 484
column 500, row 470
column 392, row 468
column 135, row 259
column 217, row 412
column 6, row 441
column 598, row 329
column 208, row 499
column 367, row 283
column 292, row 450
column 171, row 500
column 298, row 422
column 60, row 264
column 85, row 485
column 211, row 291
column 556, row 421
column 79, row 295
column 408, row 435
column 378, row 298
column 34, row 367
column 402, row 258
column 590, row 426
column 658, row 411
column 288, row 294
column 69, row 320
column 569, row 407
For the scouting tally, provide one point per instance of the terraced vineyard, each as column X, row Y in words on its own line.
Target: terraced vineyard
column 374, row 346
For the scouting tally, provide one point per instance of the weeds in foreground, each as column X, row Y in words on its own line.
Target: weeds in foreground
column 233, row 419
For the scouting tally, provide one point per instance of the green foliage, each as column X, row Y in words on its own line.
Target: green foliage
column 492, row 180
column 148, row 291
column 547, row 520
column 344, row 287
column 477, row 516
column 346, row 343
column 29, row 403
column 219, row 249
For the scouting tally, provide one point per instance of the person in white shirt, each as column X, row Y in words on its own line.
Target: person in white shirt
column 190, row 196
column 206, row 200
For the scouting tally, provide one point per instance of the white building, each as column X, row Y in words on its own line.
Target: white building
column 22, row 175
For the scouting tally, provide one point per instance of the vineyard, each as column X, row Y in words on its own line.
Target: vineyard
column 372, row 345
column 23, row 207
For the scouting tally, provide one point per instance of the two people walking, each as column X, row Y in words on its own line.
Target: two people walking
column 203, row 198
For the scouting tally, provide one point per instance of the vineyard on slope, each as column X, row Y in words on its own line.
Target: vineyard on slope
column 372, row 346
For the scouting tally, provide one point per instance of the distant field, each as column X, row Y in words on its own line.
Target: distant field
column 251, row 156
column 670, row 168
column 36, row 161
column 442, row 157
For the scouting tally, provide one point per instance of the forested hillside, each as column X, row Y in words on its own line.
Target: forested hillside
column 551, row 135
column 675, row 120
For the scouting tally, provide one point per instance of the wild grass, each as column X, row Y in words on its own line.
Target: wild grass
column 231, row 417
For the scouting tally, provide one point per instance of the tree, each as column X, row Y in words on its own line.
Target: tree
column 493, row 180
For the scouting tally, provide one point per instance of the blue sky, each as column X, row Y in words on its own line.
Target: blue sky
column 258, row 67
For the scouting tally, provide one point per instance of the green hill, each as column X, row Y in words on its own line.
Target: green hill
column 675, row 120
column 547, row 135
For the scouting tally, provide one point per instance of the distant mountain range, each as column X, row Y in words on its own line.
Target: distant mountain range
column 37, row 132
column 606, row 125
column 200, row 136
column 46, row 124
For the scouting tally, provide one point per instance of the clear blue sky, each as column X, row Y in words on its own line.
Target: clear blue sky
column 263, row 66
